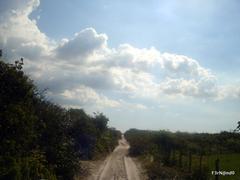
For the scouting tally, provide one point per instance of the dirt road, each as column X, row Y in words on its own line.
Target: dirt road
column 118, row 165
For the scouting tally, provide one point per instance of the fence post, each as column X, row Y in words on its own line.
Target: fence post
column 200, row 162
column 217, row 168
column 180, row 159
column 189, row 162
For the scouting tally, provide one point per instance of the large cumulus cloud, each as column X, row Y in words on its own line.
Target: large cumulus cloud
column 84, row 44
column 20, row 35
column 85, row 71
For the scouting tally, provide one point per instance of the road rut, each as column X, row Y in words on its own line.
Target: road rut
column 118, row 166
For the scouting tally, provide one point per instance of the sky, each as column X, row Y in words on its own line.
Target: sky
column 157, row 64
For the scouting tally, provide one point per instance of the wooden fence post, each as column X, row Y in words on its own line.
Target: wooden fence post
column 217, row 168
column 189, row 162
column 180, row 159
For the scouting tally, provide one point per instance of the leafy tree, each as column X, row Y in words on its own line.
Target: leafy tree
column 83, row 133
column 17, row 126
column 40, row 139
column 238, row 127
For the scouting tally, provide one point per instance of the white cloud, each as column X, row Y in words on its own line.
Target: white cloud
column 183, row 66
column 141, row 106
column 133, row 81
column 23, row 7
column 229, row 91
column 131, row 106
column 84, row 44
column 127, row 56
column 87, row 96
column 204, row 88
column 78, row 70
column 20, row 35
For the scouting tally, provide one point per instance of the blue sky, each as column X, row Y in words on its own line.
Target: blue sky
column 158, row 64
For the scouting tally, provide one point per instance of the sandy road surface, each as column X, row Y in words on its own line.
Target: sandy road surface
column 118, row 166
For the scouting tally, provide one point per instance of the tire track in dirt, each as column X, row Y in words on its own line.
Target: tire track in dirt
column 118, row 166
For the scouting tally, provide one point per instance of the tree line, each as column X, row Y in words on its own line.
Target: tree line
column 168, row 155
column 40, row 139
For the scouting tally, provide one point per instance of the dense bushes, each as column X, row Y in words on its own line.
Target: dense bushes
column 169, row 155
column 40, row 139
